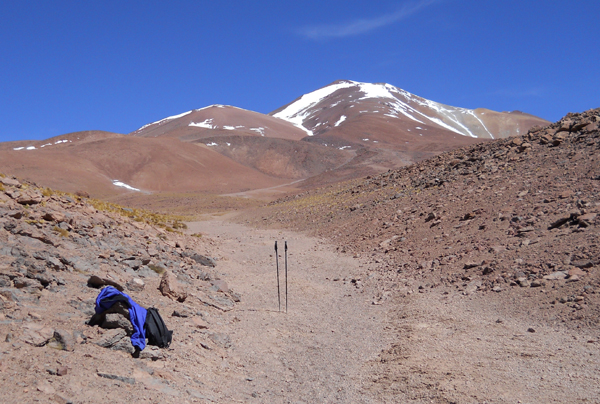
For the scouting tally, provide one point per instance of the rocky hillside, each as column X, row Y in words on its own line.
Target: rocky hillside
column 56, row 251
column 513, row 217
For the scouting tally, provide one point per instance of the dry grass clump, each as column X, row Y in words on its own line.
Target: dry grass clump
column 168, row 222
column 62, row 232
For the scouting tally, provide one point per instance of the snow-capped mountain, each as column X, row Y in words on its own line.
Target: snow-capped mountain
column 342, row 131
column 342, row 102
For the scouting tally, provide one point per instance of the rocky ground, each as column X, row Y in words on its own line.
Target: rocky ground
column 467, row 278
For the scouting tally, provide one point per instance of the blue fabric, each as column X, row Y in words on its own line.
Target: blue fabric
column 137, row 314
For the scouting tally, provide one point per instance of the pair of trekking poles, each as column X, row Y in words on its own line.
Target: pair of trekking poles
column 286, row 277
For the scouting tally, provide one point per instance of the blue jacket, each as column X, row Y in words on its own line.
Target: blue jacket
column 137, row 314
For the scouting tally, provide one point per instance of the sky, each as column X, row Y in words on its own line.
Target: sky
column 68, row 66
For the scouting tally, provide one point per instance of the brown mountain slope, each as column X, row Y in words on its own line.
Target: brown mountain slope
column 279, row 157
column 151, row 165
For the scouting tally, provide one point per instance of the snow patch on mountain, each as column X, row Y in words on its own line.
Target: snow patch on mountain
column 165, row 120
column 259, row 130
column 204, row 124
column 342, row 119
column 123, row 185
column 300, row 110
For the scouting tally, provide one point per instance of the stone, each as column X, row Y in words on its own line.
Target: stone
column 220, row 286
column 29, row 198
column 117, row 320
column 135, row 285
column 583, row 263
column 555, row 276
column 473, row 286
column 54, row 217
column 129, row 380
column 537, row 283
column 202, row 260
column 471, row 264
column 575, row 272
column 10, row 182
column 170, row 288
column 97, row 282
column 220, row 339
column 62, row 340
column 37, row 334
column 199, row 323
column 183, row 312
column 111, row 338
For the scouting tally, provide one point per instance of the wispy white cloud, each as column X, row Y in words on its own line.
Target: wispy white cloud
column 362, row 26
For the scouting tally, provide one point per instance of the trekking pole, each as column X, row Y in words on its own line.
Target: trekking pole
column 277, row 263
column 286, row 277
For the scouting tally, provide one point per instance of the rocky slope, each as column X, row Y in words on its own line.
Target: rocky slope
column 56, row 251
column 504, row 217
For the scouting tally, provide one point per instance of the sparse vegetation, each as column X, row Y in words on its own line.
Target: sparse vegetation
column 62, row 232
column 157, row 268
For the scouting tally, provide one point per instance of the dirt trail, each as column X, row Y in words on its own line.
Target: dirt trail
column 336, row 346
column 319, row 351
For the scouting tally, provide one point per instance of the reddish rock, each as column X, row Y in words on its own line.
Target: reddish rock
column 169, row 286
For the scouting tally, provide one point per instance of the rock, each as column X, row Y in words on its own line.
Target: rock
column 555, row 276
column 497, row 289
column 62, row 371
column 575, row 272
column 523, row 282
column 199, row 323
column 45, row 387
column 153, row 353
column 37, row 334
column 97, row 282
column 129, row 380
column 220, row 286
column 54, row 217
column 221, row 340
column 135, row 285
column 62, row 340
column 10, row 182
column 21, row 283
column 202, row 260
column 183, row 312
column 530, row 329
column 117, row 320
column 170, row 288
column 471, row 264
column 111, row 338
column 473, row 286
column 29, row 198
column 583, row 263
column 537, row 283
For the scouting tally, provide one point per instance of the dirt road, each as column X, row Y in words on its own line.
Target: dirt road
column 335, row 346
column 320, row 350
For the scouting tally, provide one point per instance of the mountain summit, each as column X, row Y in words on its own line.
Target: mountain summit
column 342, row 102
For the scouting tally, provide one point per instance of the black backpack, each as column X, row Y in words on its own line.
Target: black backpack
column 156, row 329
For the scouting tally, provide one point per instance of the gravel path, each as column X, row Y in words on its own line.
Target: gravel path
column 321, row 349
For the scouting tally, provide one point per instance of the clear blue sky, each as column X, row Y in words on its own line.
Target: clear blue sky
column 116, row 65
